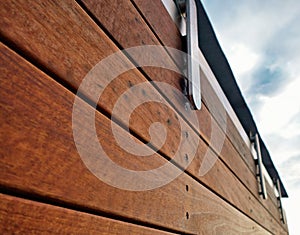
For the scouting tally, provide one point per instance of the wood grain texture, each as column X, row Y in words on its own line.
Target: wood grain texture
column 142, row 35
column 71, row 66
column 21, row 216
column 38, row 156
column 163, row 25
column 79, row 62
column 159, row 25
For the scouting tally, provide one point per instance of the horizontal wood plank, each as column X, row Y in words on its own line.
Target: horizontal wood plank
column 38, row 156
column 147, row 8
column 119, row 28
column 159, row 25
column 163, row 25
column 103, row 49
column 21, row 216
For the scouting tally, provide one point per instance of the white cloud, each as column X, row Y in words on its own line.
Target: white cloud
column 291, row 206
column 242, row 60
column 277, row 111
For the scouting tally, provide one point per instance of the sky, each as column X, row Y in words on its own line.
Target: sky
column 261, row 40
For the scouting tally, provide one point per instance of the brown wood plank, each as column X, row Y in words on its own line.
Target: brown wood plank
column 163, row 25
column 230, row 153
column 231, row 158
column 21, row 216
column 38, row 156
column 79, row 64
column 159, row 26
column 72, row 67
column 121, row 31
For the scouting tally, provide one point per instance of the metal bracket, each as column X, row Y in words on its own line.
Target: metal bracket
column 282, row 217
column 259, row 167
column 184, row 14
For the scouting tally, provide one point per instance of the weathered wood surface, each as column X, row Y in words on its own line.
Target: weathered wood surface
column 39, row 157
column 88, row 57
column 21, row 216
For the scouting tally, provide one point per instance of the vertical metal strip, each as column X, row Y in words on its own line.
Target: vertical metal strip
column 192, row 49
column 259, row 166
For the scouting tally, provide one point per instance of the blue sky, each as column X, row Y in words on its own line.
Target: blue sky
column 261, row 40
